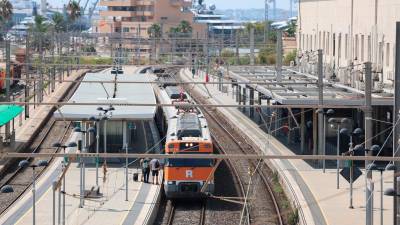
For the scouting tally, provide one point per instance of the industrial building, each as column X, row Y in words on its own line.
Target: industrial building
column 350, row 32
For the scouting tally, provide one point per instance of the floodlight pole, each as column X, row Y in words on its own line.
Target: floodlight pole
column 396, row 133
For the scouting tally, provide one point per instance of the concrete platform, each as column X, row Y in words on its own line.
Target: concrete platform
column 26, row 129
column 110, row 208
column 313, row 191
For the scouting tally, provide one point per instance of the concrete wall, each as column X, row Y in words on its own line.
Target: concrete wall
column 327, row 24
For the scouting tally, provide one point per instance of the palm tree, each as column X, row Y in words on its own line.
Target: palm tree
column 6, row 9
column 154, row 31
column 58, row 22
column 41, row 40
column 185, row 27
column 74, row 10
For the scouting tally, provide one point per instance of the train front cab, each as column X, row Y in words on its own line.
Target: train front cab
column 185, row 178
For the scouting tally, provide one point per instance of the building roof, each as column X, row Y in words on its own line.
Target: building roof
column 211, row 21
column 305, row 92
column 125, row 93
column 9, row 112
column 234, row 27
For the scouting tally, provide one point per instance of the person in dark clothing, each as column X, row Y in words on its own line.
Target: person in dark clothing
column 145, row 170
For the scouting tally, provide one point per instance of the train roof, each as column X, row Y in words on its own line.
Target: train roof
column 175, row 92
column 166, row 81
column 188, row 125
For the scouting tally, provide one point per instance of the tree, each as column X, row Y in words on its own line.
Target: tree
column 291, row 30
column 185, row 27
column 154, row 31
column 41, row 40
column 39, row 26
column 58, row 22
column 6, row 11
column 73, row 10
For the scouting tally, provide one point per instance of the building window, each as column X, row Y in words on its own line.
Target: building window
column 356, row 48
column 334, row 44
column 362, row 48
column 380, row 53
column 339, row 47
column 387, row 54
column 315, row 41
column 327, row 43
column 307, row 47
column 311, row 46
column 324, row 41
column 125, row 29
column 319, row 40
column 346, row 46
column 369, row 48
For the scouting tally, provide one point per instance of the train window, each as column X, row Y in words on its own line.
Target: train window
column 189, row 162
column 171, row 146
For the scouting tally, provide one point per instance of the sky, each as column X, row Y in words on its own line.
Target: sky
column 221, row 4
column 245, row 4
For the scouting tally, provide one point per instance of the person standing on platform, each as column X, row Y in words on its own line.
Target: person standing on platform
column 155, row 167
column 145, row 170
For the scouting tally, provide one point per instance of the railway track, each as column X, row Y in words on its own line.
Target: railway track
column 261, row 206
column 184, row 213
column 20, row 178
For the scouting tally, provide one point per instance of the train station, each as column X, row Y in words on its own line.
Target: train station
column 199, row 112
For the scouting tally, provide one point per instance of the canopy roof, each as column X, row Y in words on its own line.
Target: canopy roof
column 9, row 112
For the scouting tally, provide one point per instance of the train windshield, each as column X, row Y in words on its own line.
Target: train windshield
column 189, row 162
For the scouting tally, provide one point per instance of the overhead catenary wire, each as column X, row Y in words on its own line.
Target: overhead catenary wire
column 325, row 106
column 164, row 82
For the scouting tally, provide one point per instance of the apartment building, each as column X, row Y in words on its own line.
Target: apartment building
column 132, row 18
column 350, row 32
column 128, row 15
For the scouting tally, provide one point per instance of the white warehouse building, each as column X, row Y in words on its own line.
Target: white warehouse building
column 350, row 32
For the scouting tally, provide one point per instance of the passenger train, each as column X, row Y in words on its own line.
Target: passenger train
column 15, row 72
column 187, row 133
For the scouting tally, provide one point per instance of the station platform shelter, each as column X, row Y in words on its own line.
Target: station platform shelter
column 130, row 126
column 7, row 115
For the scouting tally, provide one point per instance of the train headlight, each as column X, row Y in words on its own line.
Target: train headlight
column 171, row 182
column 191, row 144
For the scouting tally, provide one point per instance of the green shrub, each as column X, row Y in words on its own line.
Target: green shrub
column 293, row 218
column 291, row 56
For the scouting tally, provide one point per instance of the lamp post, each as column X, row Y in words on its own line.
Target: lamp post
column 372, row 167
column 390, row 191
column 329, row 112
column 25, row 164
column 59, row 145
column 126, row 171
column 97, row 124
column 339, row 125
column 82, row 162
column 107, row 114
column 356, row 132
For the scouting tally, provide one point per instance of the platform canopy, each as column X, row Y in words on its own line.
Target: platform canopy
column 106, row 94
column 9, row 112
